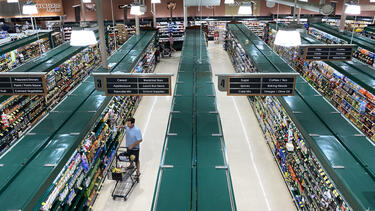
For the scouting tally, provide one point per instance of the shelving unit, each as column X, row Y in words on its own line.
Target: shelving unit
column 349, row 24
column 361, row 54
column 352, row 100
column 147, row 63
column 21, row 55
column 22, row 112
column 175, row 28
column 79, row 183
column 58, row 38
column 308, row 183
column 238, row 56
column 369, row 32
column 256, row 26
column 306, row 179
column 67, row 31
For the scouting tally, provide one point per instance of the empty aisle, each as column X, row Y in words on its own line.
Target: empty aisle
column 256, row 179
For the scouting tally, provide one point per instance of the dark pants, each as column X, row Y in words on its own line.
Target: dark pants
column 134, row 152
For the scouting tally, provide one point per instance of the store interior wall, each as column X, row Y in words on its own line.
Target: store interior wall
column 162, row 10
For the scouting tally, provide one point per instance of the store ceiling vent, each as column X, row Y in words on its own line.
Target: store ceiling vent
column 326, row 9
column 204, row 2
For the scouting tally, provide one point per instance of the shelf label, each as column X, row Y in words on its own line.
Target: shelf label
column 329, row 52
column 136, row 84
column 23, row 84
column 257, row 84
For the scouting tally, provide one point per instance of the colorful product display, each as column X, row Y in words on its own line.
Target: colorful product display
column 352, row 100
column 368, row 33
column 308, row 183
column 175, row 28
column 240, row 60
column 358, row 25
column 22, row 112
column 363, row 55
column 256, row 26
column 22, row 55
column 79, row 183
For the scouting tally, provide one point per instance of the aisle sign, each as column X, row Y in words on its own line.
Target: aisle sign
column 134, row 84
column 22, row 84
column 329, row 52
column 258, row 84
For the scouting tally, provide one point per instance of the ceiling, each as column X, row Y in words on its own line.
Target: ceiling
column 204, row 2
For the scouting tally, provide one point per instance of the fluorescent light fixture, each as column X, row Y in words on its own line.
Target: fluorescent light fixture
column 12, row 1
column 232, row 1
column 352, row 9
column 29, row 9
column 288, row 38
column 137, row 9
column 303, row 0
column 155, row 1
column 372, row 1
column 82, row 38
column 86, row 1
column 245, row 10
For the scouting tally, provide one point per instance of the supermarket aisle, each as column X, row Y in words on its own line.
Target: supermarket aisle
column 256, row 179
column 152, row 118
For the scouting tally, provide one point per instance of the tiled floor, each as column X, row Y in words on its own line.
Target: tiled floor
column 152, row 118
column 256, row 179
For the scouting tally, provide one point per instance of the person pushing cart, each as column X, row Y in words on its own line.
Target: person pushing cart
column 133, row 140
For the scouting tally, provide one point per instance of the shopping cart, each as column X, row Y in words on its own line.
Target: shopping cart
column 125, row 177
column 165, row 51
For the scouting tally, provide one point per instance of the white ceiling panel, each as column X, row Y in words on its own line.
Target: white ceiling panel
column 204, row 2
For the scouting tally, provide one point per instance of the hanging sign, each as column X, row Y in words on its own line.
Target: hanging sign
column 257, row 84
column 134, row 84
column 329, row 52
column 23, row 84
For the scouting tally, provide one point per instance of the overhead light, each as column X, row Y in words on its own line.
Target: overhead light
column 232, row 1
column 82, row 38
column 245, row 10
column 303, row 0
column 288, row 38
column 12, row 1
column 372, row 0
column 155, row 1
column 353, row 9
column 29, row 9
column 137, row 9
column 86, row 1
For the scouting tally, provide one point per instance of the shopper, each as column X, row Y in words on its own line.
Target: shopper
column 157, row 54
column 133, row 140
column 171, row 41
column 216, row 36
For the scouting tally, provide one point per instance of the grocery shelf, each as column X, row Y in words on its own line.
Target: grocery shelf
column 369, row 32
column 194, row 173
column 342, row 154
column 22, row 42
column 360, row 73
column 64, row 67
column 359, row 40
column 357, row 81
column 47, row 149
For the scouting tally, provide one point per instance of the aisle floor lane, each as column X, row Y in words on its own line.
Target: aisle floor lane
column 152, row 118
column 256, row 179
